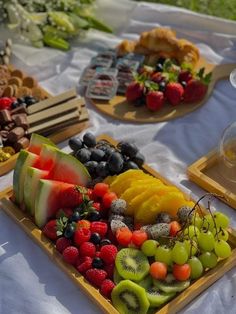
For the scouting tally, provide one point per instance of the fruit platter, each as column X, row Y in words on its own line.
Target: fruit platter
column 26, row 108
column 134, row 242
column 156, row 78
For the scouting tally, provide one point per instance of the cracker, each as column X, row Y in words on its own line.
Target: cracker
column 29, row 81
column 24, row 91
column 17, row 73
column 8, row 91
column 15, row 81
column 37, row 93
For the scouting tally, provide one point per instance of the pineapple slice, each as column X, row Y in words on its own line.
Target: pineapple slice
column 171, row 202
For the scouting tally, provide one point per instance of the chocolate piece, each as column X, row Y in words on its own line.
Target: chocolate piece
column 5, row 117
column 16, row 134
column 20, row 109
column 21, row 144
column 4, row 135
column 9, row 126
column 21, row 120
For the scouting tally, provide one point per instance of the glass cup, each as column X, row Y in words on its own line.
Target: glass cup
column 227, row 153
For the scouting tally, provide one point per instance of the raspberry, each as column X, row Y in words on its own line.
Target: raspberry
column 70, row 254
column 108, row 253
column 99, row 227
column 83, row 224
column 108, row 198
column 82, row 235
column 97, row 206
column 84, row 264
column 50, row 229
column 110, row 270
column 87, row 249
column 96, row 276
column 123, row 236
column 100, row 189
column 106, row 288
column 62, row 244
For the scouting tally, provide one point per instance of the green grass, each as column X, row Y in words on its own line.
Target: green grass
column 222, row 8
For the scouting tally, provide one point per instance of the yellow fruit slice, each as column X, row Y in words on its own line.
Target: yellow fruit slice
column 171, row 202
column 108, row 180
column 159, row 189
column 148, row 211
column 145, row 182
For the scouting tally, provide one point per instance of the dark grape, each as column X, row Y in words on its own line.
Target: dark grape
column 115, row 162
column 139, row 159
column 91, row 166
column 130, row 165
column 75, row 144
column 83, row 155
column 97, row 154
column 89, row 140
column 128, row 149
column 102, row 169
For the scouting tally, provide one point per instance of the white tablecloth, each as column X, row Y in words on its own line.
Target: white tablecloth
column 29, row 282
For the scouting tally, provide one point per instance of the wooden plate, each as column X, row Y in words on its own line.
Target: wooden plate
column 205, row 172
column 25, row 221
column 119, row 109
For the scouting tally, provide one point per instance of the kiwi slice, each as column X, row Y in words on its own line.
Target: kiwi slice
column 116, row 277
column 146, row 282
column 157, row 297
column 170, row 284
column 132, row 264
column 129, row 298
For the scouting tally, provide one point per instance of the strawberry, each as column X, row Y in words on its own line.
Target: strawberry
column 185, row 76
column 50, row 229
column 195, row 91
column 174, row 93
column 155, row 100
column 71, row 197
column 134, row 91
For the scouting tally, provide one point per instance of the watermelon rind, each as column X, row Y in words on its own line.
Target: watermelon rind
column 36, row 142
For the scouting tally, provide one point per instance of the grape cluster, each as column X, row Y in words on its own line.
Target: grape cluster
column 102, row 158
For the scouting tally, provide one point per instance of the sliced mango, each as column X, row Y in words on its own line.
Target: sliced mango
column 171, row 202
column 147, row 212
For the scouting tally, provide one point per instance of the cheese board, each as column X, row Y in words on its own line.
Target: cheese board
column 120, row 109
column 177, row 303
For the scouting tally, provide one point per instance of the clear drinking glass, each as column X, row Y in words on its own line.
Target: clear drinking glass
column 227, row 153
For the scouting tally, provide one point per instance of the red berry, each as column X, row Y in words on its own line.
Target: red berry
column 181, row 272
column 84, row 264
column 124, row 236
column 99, row 227
column 97, row 206
column 96, row 276
column 83, row 224
column 155, row 100
column 195, row 91
column 70, row 197
column 184, row 76
column 97, row 254
column 174, row 228
column 87, row 249
column 174, row 93
column 108, row 198
column 100, row 189
column 106, row 288
column 70, row 254
column 62, row 244
column 108, row 253
column 81, row 235
column 134, row 91
column 5, row 103
column 138, row 237
column 110, row 270
column 50, row 229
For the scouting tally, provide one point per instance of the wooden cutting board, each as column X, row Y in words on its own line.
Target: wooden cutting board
column 118, row 108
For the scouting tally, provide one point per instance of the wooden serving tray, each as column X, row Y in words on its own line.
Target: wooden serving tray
column 25, row 221
column 120, row 109
column 205, row 172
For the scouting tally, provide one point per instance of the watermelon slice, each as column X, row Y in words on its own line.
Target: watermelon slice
column 47, row 201
column 32, row 177
column 36, row 142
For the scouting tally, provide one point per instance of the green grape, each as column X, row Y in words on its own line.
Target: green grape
column 197, row 221
column 196, row 267
column 222, row 249
column 206, row 241
column 163, row 254
column 208, row 222
column 221, row 233
column 221, row 220
column 149, row 247
column 188, row 244
column 179, row 253
column 208, row 259
column 191, row 232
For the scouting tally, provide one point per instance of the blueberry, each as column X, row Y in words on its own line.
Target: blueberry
column 83, row 155
column 162, row 86
column 91, row 166
column 183, row 83
column 95, row 238
column 94, row 216
column 105, row 242
column 139, row 159
column 89, row 140
column 75, row 144
column 161, row 60
column 21, row 100
column 130, row 165
column 29, row 100
column 14, row 104
column 140, row 102
column 75, row 216
column 159, row 67
column 97, row 262
column 102, row 169
column 107, row 149
column 69, row 231
column 97, row 154
column 128, row 149
column 115, row 162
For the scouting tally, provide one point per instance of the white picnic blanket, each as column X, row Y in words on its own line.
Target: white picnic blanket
column 30, row 283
